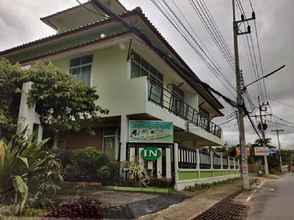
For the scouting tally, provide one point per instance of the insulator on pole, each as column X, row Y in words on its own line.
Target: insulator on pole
column 249, row 29
column 242, row 17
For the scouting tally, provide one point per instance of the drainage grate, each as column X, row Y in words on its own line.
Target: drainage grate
column 225, row 210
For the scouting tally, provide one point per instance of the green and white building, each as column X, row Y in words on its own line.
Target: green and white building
column 142, row 81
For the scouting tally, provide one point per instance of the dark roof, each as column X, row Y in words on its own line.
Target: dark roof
column 73, row 47
column 75, row 7
column 108, row 20
column 60, row 35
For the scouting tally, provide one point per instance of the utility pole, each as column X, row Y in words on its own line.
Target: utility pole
column 240, row 101
column 279, row 144
column 262, row 129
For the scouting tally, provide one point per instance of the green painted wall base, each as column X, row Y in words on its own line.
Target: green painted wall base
column 191, row 175
column 189, row 178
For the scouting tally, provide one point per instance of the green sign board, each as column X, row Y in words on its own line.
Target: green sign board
column 144, row 131
column 151, row 153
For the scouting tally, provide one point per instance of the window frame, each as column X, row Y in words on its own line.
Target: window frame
column 154, row 76
column 80, row 66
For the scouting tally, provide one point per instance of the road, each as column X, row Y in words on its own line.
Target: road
column 274, row 201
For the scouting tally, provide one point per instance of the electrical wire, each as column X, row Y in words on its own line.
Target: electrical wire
column 210, row 25
column 193, row 41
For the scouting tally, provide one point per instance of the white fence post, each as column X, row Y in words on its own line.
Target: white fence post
column 159, row 165
column 198, row 162
column 141, row 160
column 132, row 154
column 168, row 163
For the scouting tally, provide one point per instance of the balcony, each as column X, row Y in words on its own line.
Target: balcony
column 167, row 99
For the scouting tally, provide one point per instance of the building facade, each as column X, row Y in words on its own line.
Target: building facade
column 138, row 76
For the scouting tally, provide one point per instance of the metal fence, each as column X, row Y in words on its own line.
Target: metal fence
column 192, row 158
column 169, row 100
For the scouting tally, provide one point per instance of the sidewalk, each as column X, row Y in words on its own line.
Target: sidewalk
column 200, row 202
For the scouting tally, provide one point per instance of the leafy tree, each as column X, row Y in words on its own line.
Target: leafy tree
column 63, row 103
column 11, row 80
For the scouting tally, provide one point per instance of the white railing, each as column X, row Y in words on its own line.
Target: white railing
column 204, row 160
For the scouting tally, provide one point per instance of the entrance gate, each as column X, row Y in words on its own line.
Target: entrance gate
column 157, row 159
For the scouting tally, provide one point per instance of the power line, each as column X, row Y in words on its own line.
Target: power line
column 176, row 22
column 209, row 24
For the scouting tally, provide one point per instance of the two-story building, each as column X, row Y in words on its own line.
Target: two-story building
column 139, row 77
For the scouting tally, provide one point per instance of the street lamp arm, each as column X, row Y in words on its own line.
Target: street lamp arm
column 266, row 76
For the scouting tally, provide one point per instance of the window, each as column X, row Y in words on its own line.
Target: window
column 80, row 69
column 178, row 101
column 140, row 67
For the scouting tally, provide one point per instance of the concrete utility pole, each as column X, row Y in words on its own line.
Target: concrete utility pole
column 279, row 144
column 240, row 101
column 266, row 170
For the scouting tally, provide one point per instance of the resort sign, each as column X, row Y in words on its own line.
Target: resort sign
column 261, row 151
column 151, row 153
column 141, row 131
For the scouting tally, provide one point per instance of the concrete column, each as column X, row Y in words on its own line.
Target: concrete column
column 211, row 159
column 198, row 162
column 176, row 150
column 159, row 165
column 168, row 163
column 198, row 159
column 123, row 137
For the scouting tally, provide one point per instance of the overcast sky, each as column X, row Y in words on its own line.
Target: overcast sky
column 20, row 24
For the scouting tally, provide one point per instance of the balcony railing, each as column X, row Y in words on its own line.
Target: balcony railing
column 173, row 103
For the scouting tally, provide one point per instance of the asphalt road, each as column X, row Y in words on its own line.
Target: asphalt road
column 274, row 201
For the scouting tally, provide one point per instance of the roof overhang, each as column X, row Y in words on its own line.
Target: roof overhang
column 81, row 14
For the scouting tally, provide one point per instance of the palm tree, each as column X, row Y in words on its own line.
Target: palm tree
column 260, row 141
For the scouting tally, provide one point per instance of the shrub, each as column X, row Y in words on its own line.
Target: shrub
column 83, row 208
column 89, row 164
column 163, row 182
column 90, row 159
column 28, row 172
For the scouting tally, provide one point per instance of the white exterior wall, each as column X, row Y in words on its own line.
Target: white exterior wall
column 111, row 78
column 122, row 95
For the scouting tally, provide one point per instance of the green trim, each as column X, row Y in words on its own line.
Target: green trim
column 206, row 174
column 190, row 175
